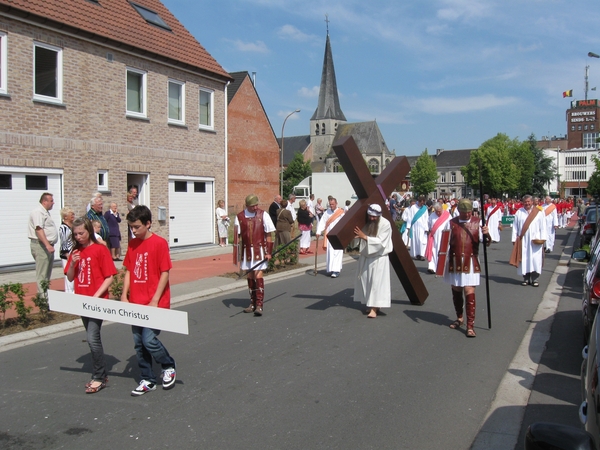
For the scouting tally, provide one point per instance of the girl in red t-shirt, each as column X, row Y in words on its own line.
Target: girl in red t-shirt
column 91, row 266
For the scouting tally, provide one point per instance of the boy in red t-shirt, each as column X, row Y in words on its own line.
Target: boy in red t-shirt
column 147, row 282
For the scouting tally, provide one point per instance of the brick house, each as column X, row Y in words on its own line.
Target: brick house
column 102, row 95
column 253, row 149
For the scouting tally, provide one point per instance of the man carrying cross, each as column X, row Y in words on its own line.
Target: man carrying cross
column 329, row 219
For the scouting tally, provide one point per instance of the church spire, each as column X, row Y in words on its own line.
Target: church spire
column 329, row 102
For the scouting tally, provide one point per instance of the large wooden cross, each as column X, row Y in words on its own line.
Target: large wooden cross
column 371, row 191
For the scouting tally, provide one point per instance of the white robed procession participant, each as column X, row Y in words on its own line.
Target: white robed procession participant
column 372, row 284
column 417, row 224
column 529, row 236
column 329, row 219
column 551, row 223
column 494, row 219
column 438, row 222
column 404, row 231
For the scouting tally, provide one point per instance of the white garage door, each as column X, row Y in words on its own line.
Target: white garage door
column 19, row 194
column 191, row 211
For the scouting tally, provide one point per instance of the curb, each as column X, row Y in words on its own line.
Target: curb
column 25, row 338
column 502, row 424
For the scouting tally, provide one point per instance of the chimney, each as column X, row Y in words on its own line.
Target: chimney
column 254, row 79
column 438, row 151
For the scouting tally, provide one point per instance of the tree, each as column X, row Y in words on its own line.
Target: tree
column 593, row 188
column 544, row 168
column 423, row 175
column 296, row 171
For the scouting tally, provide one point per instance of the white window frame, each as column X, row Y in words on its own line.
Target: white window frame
column 144, row 112
column 443, row 177
column 59, row 74
column 3, row 63
column 211, row 126
column 103, row 187
column 182, row 93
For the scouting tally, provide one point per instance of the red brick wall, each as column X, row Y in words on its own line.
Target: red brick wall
column 253, row 153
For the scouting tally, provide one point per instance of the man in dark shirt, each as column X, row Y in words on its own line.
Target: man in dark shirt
column 274, row 207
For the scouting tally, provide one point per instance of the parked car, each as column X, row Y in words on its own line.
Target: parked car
column 543, row 435
column 591, row 287
column 589, row 225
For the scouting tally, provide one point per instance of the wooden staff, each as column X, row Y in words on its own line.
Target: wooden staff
column 485, row 258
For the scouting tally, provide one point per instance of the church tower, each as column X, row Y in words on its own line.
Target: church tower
column 324, row 122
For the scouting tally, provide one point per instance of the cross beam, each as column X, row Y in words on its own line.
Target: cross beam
column 369, row 191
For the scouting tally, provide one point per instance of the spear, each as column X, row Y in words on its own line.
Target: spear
column 485, row 258
column 272, row 254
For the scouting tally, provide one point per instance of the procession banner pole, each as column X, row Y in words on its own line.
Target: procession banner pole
column 485, row 258
column 273, row 254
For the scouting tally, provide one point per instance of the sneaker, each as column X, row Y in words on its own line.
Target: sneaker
column 169, row 376
column 334, row 274
column 145, row 386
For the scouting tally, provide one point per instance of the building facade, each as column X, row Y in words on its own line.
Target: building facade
column 102, row 97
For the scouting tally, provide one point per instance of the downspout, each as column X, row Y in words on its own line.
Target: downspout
column 226, row 154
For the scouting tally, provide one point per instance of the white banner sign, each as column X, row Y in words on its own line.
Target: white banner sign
column 116, row 311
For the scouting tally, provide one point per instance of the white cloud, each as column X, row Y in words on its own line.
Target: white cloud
column 464, row 10
column 292, row 33
column 440, row 105
column 309, row 92
column 252, row 47
column 284, row 114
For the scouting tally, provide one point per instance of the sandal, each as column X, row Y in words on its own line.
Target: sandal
column 525, row 283
column 91, row 389
column 535, row 284
column 89, row 383
column 471, row 333
column 456, row 324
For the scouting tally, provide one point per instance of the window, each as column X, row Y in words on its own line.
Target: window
column 36, row 182
column 47, row 73
column 576, row 175
column 443, row 178
column 589, row 140
column 3, row 63
column 199, row 186
column 572, row 127
column 575, row 160
column 136, row 93
column 453, row 177
column 323, row 128
column 176, row 102
column 103, row 180
column 151, row 16
column 180, row 186
column 5, row 181
column 317, row 130
column 373, row 165
column 206, row 109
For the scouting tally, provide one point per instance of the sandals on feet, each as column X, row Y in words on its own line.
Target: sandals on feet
column 456, row 324
column 525, row 283
column 91, row 389
column 471, row 333
column 89, row 383
column 535, row 284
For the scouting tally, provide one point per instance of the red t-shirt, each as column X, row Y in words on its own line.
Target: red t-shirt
column 146, row 260
column 94, row 266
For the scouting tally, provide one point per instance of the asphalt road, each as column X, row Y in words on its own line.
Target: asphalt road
column 312, row 373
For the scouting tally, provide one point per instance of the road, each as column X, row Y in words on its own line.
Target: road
column 312, row 373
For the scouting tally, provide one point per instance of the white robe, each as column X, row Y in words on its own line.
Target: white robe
column 437, row 237
column 418, row 240
column 493, row 223
column 372, row 284
column 532, row 259
column 269, row 228
column 334, row 257
column 405, row 237
column 551, row 223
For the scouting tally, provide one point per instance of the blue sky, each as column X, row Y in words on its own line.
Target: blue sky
column 433, row 73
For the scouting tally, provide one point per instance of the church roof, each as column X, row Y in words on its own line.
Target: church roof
column 329, row 102
column 293, row 145
column 120, row 24
column 367, row 136
column 452, row 158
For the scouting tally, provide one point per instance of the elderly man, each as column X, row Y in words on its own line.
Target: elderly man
column 439, row 221
column 372, row 283
column 43, row 235
column 254, row 227
column 95, row 213
column 274, row 207
column 529, row 236
column 551, row 223
column 290, row 206
column 329, row 219
column 462, row 268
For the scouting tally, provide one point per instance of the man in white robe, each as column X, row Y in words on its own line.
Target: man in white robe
column 551, row 223
column 439, row 221
column 531, row 260
column 405, row 220
column 329, row 219
column 372, row 283
column 493, row 216
column 418, row 224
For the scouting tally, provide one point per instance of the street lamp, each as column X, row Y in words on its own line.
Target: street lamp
column 593, row 55
column 281, row 168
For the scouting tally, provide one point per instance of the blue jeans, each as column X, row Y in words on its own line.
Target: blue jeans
column 146, row 346
column 92, row 328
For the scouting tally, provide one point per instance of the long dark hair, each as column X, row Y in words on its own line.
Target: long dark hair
column 87, row 224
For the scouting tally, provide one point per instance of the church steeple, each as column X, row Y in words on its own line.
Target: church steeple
column 329, row 102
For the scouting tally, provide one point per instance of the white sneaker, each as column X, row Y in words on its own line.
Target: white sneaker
column 169, row 376
column 145, row 386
